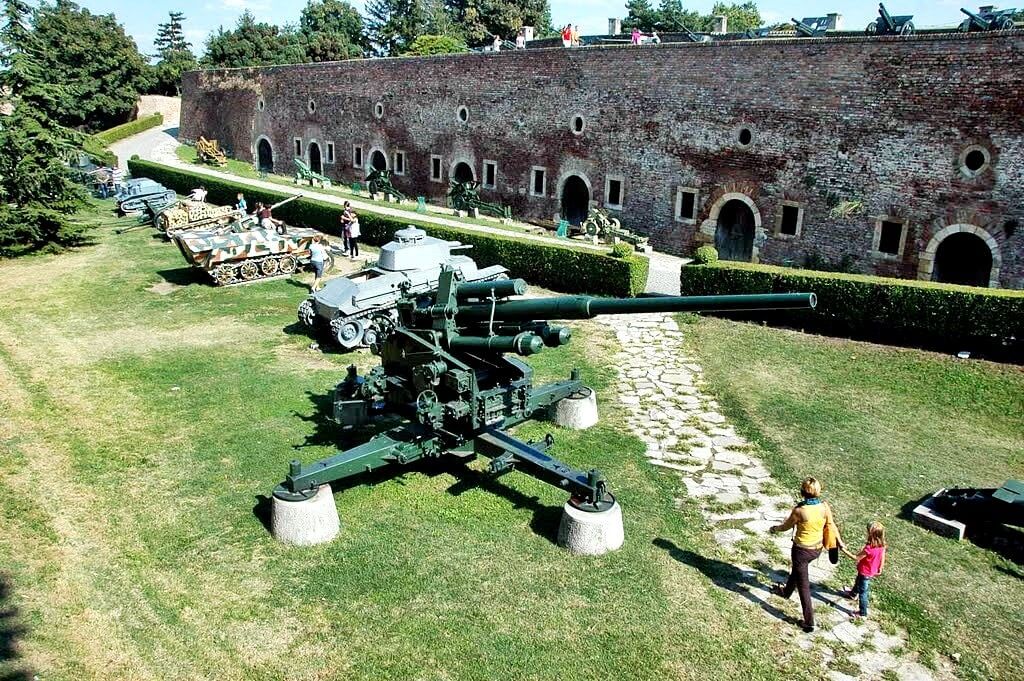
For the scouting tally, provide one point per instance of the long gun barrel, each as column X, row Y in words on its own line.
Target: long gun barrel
column 587, row 307
column 288, row 200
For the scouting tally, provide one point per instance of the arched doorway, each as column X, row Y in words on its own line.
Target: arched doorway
column 315, row 163
column 462, row 172
column 575, row 200
column 378, row 161
column 734, row 236
column 963, row 258
column 264, row 156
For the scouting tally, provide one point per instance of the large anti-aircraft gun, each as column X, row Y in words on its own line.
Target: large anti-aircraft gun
column 445, row 374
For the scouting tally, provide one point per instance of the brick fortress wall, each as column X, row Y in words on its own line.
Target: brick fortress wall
column 847, row 132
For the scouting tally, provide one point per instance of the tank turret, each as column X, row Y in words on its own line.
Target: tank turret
column 347, row 309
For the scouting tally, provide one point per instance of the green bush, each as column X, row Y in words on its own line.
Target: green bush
column 622, row 250
column 99, row 154
column 120, row 132
column 900, row 311
column 552, row 266
column 706, row 255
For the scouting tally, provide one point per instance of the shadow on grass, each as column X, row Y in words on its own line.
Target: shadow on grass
column 183, row 276
column 10, row 631
column 546, row 519
column 729, row 577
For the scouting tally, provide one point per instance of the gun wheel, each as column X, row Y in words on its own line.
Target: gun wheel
column 249, row 270
column 286, row 265
column 224, row 275
column 269, row 267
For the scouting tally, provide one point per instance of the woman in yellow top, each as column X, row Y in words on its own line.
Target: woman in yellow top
column 809, row 517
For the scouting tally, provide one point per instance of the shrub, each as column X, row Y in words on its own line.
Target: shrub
column 120, row 132
column 900, row 311
column 706, row 255
column 552, row 266
column 98, row 153
column 621, row 250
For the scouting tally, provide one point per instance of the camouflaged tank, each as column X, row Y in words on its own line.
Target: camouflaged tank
column 248, row 255
column 189, row 215
column 135, row 195
column 348, row 309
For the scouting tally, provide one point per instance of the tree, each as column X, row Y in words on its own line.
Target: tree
column 253, row 43
column 741, row 15
column 332, row 30
column 640, row 14
column 98, row 65
column 425, row 45
column 480, row 19
column 37, row 194
column 672, row 17
column 170, row 37
column 394, row 24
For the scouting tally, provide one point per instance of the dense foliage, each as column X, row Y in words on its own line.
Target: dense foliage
column 926, row 314
column 331, row 30
column 37, row 194
column 670, row 16
column 706, row 255
column 426, row 45
column 566, row 269
column 98, row 67
column 175, row 54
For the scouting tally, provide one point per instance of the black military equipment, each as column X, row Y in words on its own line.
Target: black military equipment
column 887, row 24
column 988, row 19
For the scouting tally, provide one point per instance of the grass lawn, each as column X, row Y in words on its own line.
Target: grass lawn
column 882, row 428
column 142, row 425
column 242, row 169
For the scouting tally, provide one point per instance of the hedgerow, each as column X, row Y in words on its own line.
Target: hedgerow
column 551, row 266
column 900, row 311
column 120, row 132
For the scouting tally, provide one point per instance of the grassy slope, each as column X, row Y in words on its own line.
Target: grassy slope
column 139, row 430
column 884, row 427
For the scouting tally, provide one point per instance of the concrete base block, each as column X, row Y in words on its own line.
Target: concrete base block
column 578, row 412
column 305, row 523
column 926, row 516
column 591, row 534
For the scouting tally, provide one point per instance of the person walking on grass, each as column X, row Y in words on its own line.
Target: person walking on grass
column 317, row 258
column 810, row 517
column 870, row 562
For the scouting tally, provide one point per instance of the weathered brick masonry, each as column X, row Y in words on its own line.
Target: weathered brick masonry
column 850, row 133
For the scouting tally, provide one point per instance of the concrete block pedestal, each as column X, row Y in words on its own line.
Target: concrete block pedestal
column 305, row 523
column 588, row 533
column 578, row 411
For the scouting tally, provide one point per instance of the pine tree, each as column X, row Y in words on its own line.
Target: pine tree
column 640, row 14
column 394, row 24
column 170, row 36
column 332, row 30
column 672, row 17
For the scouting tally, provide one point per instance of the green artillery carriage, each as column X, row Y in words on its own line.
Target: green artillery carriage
column 303, row 173
column 379, row 182
column 464, row 196
column 988, row 19
column 599, row 225
column 446, row 377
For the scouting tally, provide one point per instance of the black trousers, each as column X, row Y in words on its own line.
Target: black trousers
column 800, row 582
column 353, row 246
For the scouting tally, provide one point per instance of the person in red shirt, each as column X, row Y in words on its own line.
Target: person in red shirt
column 870, row 562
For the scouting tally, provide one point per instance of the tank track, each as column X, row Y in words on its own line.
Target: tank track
column 254, row 269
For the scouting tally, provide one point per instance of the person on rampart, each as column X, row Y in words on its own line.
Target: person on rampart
column 815, row 529
column 496, row 44
column 576, row 36
column 636, row 36
column 567, row 36
column 521, row 40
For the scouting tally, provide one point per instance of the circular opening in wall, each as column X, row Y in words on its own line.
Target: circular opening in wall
column 577, row 125
column 378, row 109
column 974, row 160
column 260, row 104
column 462, row 114
column 311, row 106
column 745, row 137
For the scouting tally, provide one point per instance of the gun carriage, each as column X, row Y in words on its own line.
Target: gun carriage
column 887, row 24
column 210, row 153
column 465, row 196
column 811, row 27
column 988, row 19
column 303, row 173
column 379, row 182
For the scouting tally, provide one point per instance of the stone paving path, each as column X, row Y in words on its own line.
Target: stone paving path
column 685, row 432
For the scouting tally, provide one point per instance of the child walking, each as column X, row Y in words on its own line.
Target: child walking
column 870, row 562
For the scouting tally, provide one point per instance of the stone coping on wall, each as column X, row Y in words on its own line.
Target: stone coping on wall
column 955, row 36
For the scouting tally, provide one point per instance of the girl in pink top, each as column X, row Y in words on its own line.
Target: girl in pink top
column 870, row 562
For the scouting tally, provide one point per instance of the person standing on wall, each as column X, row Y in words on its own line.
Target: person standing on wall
column 636, row 36
column 496, row 44
column 567, row 36
column 576, row 36
column 521, row 40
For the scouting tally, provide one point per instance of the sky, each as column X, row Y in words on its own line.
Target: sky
column 204, row 16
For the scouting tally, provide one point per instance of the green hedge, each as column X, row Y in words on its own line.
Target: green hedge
column 99, row 154
column 116, row 134
column 557, row 267
column 901, row 311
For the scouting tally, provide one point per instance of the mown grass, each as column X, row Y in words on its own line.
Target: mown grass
column 883, row 427
column 142, row 425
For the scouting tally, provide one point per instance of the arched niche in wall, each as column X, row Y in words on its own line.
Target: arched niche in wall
column 957, row 255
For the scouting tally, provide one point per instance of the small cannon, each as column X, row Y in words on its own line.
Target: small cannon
column 379, row 182
column 887, row 24
column 209, row 152
column 988, row 19
column 447, row 388
column 600, row 225
column 811, row 27
column 464, row 196
column 303, row 173
column 695, row 37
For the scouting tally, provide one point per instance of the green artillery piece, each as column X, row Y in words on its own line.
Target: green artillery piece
column 887, row 24
column 303, row 173
column 446, row 377
column 811, row 27
column 464, row 196
column 599, row 225
column 988, row 19
column 379, row 182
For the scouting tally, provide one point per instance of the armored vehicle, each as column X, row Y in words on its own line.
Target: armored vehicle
column 247, row 255
column 346, row 308
column 187, row 215
column 135, row 195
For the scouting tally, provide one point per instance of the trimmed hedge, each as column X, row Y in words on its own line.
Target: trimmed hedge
column 557, row 267
column 120, row 132
column 99, row 154
column 900, row 311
